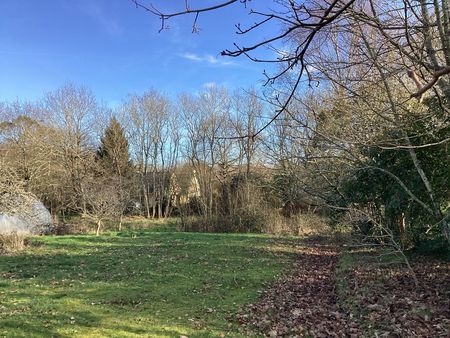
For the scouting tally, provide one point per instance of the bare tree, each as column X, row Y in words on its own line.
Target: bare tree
column 70, row 112
column 207, row 120
column 103, row 201
column 155, row 140
column 400, row 49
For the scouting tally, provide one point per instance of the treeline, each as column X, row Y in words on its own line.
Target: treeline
column 153, row 157
column 197, row 158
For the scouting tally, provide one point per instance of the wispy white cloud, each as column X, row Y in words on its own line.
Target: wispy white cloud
column 207, row 58
column 192, row 57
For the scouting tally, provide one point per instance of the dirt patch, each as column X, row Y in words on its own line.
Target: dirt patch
column 304, row 303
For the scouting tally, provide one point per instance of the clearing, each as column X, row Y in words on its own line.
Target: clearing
column 173, row 284
column 136, row 284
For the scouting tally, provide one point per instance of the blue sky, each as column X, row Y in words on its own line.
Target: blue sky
column 115, row 49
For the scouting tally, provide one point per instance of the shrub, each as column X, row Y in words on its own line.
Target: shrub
column 299, row 225
column 249, row 220
column 311, row 224
column 71, row 225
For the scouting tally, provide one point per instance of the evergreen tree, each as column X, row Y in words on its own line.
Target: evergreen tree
column 113, row 151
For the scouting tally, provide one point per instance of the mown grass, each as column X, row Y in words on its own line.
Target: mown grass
column 136, row 284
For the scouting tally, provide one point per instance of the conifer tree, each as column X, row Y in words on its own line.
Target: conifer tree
column 113, row 151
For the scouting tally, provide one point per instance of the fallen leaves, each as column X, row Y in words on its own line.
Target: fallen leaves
column 304, row 303
column 380, row 301
column 390, row 305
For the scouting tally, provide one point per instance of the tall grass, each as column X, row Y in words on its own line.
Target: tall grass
column 12, row 242
column 13, row 233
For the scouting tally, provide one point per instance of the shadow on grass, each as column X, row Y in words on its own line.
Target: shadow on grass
column 63, row 326
column 45, row 326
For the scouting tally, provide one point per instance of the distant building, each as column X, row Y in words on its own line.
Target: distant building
column 184, row 185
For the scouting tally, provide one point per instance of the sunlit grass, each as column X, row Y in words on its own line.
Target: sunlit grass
column 136, row 284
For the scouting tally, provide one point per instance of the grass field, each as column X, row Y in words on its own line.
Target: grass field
column 136, row 284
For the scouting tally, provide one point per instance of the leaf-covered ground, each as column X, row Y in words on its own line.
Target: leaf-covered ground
column 305, row 302
column 353, row 294
column 145, row 284
column 380, row 293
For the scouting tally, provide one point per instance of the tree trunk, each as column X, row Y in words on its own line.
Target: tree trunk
column 120, row 222
column 99, row 224
column 402, row 229
column 146, row 200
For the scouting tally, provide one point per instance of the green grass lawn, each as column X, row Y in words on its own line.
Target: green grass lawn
column 136, row 284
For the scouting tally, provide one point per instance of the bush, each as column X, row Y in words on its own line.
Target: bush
column 65, row 229
column 311, row 224
column 435, row 246
column 12, row 242
column 246, row 220
column 298, row 225
column 259, row 221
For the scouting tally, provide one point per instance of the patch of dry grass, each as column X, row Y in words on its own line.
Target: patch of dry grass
column 12, row 242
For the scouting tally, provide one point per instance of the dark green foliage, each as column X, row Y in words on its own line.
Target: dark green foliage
column 436, row 246
column 113, row 151
column 369, row 184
